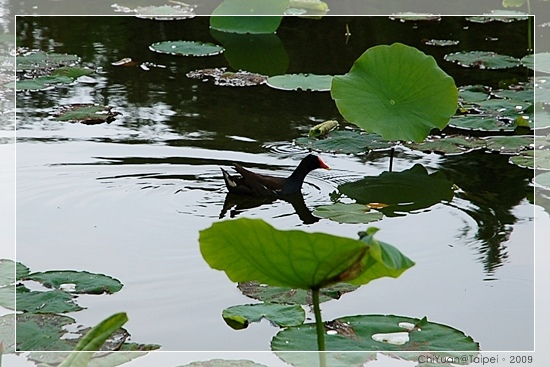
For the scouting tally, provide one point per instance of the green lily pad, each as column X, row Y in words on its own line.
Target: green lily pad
column 45, row 302
column 543, row 180
column 542, row 62
column 86, row 113
column 482, row 60
column 528, row 61
column 542, row 89
column 98, row 359
column 42, row 60
column 7, row 332
column 348, row 213
column 504, row 16
column 250, row 249
column 84, row 282
column 509, row 144
column 311, row 7
column 527, row 159
column 238, row 317
column 345, row 141
column 293, row 296
column 222, row 77
column 64, row 75
column 542, row 120
column 334, row 359
column 165, row 12
column 10, row 269
column 186, row 48
column 311, row 82
column 454, row 144
column 234, row 16
column 369, row 332
column 474, row 93
column 414, row 17
column 396, row 91
column 42, row 332
column 7, row 297
column 401, row 192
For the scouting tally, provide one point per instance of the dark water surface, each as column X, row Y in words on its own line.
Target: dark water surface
column 128, row 198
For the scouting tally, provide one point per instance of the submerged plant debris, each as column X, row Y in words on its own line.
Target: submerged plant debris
column 225, row 78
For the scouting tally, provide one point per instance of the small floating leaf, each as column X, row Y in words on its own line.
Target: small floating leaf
column 346, row 141
column 323, row 128
column 541, row 61
column 414, row 17
column 186, row 48
column 348, row 213
column 509, row 144
column 85, row 282
column 45, row 302
column 86, row 113
column 226, row 17
column 396, row 91
column 238, row 317
column 474, row 93
column 449, row 144
column 42, row 332
column 482, row 60
column 311, row 82
column 165, row 12
column 43, row 61
column 527, row 159
column 543, row 180
column 357, row 333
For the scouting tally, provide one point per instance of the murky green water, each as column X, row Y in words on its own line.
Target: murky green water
column 128, row 198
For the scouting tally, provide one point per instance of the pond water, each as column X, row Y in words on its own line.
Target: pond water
column 128, row 198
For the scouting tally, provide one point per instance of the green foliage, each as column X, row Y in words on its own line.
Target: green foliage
column 186, row 48
column 85, row 282
column 250, row 249
column 45, row 302
column 346, row 142
column 305, row 82
column 405, row 191
column 348, row 213
column 42, row 60
column 396, row 91
column 238, row 317
column 93, row 340
column 363, row 332
column 234, row 16
column 482, row 60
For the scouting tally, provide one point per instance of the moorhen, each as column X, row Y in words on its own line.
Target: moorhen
column 250, row 183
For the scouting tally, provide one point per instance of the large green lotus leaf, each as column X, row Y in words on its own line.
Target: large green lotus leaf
column 482, row 60
column 234, row 16
column 42, row 332
column 348, row 213
column 250, row 249
column 345, row 141
column 454, row 144
column 44, row 60
column 84, row 282
column 405, row 191
column 186, row 48
column 509, row 144
column 370, row 332
column 45, row 302
column 7, row 332
column 292, row 296
column 396, row 91
column 482, row 122
column 238, row 317
column 311, row 82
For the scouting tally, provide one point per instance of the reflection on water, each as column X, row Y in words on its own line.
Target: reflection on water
column 128, row 198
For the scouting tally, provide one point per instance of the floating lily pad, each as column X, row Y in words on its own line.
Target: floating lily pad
column 482, row 60
column 396, row 91
column 228, row 16
column 86, row 113
column 542, row 89
column 334, row 359
column 474, row 93
column 377, row 333
column 309, row 7
column 527, row 159
column 45, row 302
column 455, row 144
column 504, row 16
column 9, row 269
column 7, row 297
column 541, row 62
column 64, row 75
column 414, row 17
column 224, row 78
column 405, row 191
column 238, row 317
column 85, row 282
column 509, row 144
column 42, row 332
column 186, row 48
column 7, row 333
column 250, row 249
column 293, row 296
column 166, row 12
column 346, row 141
column 543, row 180
column 306, row 82
column 441, row 43
column 348, row 213
column 44, row 61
